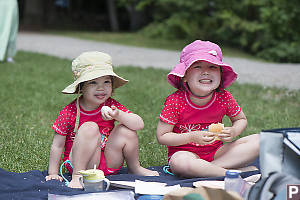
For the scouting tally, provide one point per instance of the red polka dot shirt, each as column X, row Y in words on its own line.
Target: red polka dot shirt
column 186, row 116
column 65, row 122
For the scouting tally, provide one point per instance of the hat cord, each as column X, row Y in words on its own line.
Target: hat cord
column 77, row 113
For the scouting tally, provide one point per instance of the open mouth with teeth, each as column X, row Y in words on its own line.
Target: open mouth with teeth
column 205, row 81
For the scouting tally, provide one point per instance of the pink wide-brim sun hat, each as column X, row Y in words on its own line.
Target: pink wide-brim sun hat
column 201, row 51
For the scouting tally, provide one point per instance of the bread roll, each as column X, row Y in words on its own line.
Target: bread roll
column 216, row 128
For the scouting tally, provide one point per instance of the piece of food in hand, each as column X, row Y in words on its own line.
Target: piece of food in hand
column 106, row 109
column 216, row 128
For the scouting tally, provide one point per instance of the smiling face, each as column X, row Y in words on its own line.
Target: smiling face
column 96, row 92
column 202, row 78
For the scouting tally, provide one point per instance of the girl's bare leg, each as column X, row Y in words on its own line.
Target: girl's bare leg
column 85, row 151
column 238, row 153
column 231, row 155
column 188, row 164
column 122, row 144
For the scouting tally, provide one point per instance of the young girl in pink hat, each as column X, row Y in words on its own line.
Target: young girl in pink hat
column 85, row 131
column 201, row 100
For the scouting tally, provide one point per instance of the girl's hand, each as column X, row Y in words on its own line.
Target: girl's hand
column 115, row 112
column 227, row 134
column 109, row 113
column 54, row 176
column 202, row 137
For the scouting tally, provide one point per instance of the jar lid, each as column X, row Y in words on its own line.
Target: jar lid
column 233, row 173
column 92, row 174
column 151, row 197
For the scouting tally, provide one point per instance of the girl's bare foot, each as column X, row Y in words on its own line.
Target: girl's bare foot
column 144, row 172
column 75, row 183
column 248, row 168
column 253, row 179
column 245, row 169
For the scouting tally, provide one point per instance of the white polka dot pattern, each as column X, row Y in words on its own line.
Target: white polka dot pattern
column 186, row 116
column 65, row 122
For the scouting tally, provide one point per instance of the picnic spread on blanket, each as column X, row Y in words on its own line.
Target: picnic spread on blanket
column 32, row 185
column 268, row 181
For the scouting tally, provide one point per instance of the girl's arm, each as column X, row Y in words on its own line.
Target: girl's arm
column 166, row 136
column 239, row 124
column 57, row 148
column 130, row 120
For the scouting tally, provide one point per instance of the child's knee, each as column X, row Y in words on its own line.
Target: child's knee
column 254, row 138
column 256, row 141
column 179, row 164
column 89, row 129
column 253, row 141
column 125, row 132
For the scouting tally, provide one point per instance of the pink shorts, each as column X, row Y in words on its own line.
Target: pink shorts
column 102, row 166
column 206, row 152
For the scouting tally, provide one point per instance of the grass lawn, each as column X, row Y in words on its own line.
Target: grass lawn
column 31, row 100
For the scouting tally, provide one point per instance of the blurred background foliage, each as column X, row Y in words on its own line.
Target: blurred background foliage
column 269, row 29
column 265, row 28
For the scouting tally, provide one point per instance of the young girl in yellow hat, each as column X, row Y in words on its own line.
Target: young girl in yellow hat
column 85, row 129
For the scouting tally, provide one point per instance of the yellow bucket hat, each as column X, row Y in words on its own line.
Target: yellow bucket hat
column 91, row 65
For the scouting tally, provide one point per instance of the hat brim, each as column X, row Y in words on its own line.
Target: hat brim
column 117, row 80
column 228, row 75
column 176, row 73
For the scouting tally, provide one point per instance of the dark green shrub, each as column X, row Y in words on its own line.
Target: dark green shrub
column 283, row 52
column 269, row 29
column 180, row 19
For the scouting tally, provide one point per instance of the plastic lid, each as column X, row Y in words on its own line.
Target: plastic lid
column 151, row 197
column 92, row 174
column 233, row 173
